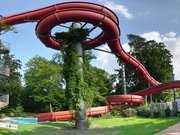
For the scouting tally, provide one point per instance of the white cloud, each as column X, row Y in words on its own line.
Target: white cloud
column 170, row 35
column 108, row 61
column 105, row 60
column 172, row 41
column 118, row 8
column 126, row 47
column 155, row 35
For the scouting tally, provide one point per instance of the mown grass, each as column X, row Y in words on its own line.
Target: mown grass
column 113, row 126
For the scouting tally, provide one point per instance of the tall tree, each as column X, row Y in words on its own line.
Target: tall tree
column 97, row 82
column 44, row 85
column 73, row 72
column 156, row 59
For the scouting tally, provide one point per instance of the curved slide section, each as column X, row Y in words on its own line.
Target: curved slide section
column 158, row 88
column 110, row 29
column 95, row 14
column 39, row 14
column 129, row 99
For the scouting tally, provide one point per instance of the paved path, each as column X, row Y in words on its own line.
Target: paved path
column 173, row 130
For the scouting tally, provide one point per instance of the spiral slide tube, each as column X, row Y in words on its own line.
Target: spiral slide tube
column 97, row 15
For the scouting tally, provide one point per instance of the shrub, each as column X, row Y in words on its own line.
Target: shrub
column 178, row 114
column 11, row 112
column 106, row 115
column 6, row 111
column 167, row 112
column 18, row 111
column 88, row 124
column 156, row 113
column 116, row 112
column 143, row 111
column 130, row 112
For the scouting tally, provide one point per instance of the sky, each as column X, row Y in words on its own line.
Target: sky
column 157, row 20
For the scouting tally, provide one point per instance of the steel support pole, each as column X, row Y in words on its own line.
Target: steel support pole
column 124, row 79
column 81, row 114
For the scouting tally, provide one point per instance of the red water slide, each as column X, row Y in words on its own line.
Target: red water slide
column 66, row 115
column 97, row 15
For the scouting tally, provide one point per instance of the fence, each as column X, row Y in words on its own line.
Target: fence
column 161, row 107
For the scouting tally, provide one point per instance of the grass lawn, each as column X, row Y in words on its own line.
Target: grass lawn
column 113, row 126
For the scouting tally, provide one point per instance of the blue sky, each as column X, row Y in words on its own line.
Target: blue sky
column 155, row 19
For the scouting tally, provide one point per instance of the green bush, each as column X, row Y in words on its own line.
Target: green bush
column 6, row 111
column 156, row 113
column 167, row 112
column 143, row 111
column 11, row 112
column 88, row 124
column 130, row 112
column 116, row 112
column 106, row 115
column 18, row 111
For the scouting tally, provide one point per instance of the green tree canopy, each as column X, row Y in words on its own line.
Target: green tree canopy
column 97, row 82
column 155, row 58
column 44, row 85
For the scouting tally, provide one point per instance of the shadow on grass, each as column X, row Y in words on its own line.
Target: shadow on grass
column 55, row 124
column 64, row 128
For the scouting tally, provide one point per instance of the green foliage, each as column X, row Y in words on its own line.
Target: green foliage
column 143, row 111
column 116, row 112
column 73, row 72
column 167, row 112
column 74, row 78
column 41, row 74
column 97, row 84
column 44, row 82
column 18, row 111
column 13, row 112
column 130, row 112
column 81, row 84
column 95, row 81
column 156, row 113
column 6, row 28
column 72, row 36
column 88, row 123
column 156, row 59
column 106, row 116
